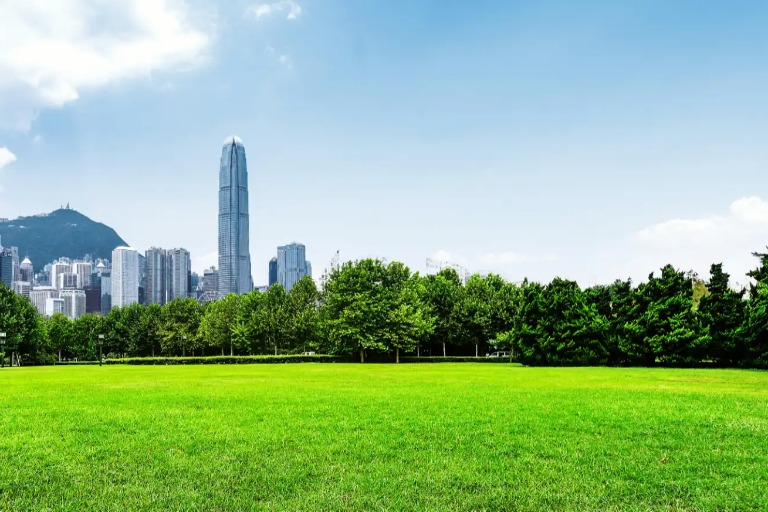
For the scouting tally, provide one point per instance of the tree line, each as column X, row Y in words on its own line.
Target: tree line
column 370, row 309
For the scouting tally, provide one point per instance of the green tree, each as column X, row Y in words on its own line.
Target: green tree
column 23, row 327
column 558, row 326
column 722, row 311
column 477, row 312
column 669, row 325
column 58, row 328
column 301, row 310
column 218, row 321
column 372, row 306
column 179, row 326
column 84, row 333
column 441, row 296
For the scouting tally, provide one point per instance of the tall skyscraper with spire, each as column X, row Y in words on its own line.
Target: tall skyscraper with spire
column 234, row 249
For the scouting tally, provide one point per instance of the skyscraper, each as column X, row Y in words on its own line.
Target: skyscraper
column 125, row 277
column 6, row 267
column 292, row 265
column 106, row 291
column 27, row 272
column 272, row 271
column 58, row 268
column 74, row 303
column 234, row 249
column 180, row 270
column 157, row 276
column 210, row 280
column 82, row 269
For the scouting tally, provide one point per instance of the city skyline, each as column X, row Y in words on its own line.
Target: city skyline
column 580, row 140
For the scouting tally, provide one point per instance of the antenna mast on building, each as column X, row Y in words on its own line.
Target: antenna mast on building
column 333, row 265
column 440, row 265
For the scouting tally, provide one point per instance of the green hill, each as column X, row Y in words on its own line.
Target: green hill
column 64, row 232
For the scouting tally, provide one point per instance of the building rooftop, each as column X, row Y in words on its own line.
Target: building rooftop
column 233, row 139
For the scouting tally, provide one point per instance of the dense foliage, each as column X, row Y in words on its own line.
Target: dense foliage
column 372, row 310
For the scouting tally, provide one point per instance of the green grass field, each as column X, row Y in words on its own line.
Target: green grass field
column 382, row 437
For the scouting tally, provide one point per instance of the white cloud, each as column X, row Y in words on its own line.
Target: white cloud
column 292, row 9
column 693, row 244
column 747, row 216
column 205, row 262
column 6, row 157
column 50, row 52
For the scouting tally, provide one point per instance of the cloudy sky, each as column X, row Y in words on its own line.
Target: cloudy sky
column 590, row 140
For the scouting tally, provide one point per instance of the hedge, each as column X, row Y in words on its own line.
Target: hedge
column 230, row 360
column 288, row 358
column 453, row 359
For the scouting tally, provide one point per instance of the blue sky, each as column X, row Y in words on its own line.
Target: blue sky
column 591, row 140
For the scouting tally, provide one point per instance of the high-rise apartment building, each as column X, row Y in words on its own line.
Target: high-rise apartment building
column 210, row 280
column 272, row 271
column 82, row 271
column 53, row 306
column 57, row 268
column 157, row 276
column 40, row 294
column 106, row 291
column 180, row 273
column 66, row 280
column 93, row 299
column 125, row 277
column 22, row 288
column 234, row 248
column 292, row 265
column 74, row 303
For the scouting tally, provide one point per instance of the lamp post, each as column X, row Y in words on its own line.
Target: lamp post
column 184, row 346
column 2, row 349
column 101, row 348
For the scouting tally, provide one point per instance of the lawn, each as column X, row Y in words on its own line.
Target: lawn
column 382, row 437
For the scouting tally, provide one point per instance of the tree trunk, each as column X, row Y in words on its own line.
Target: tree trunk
column 275, row 349
column 443, row 349
column 362, row 356
column 397, row 354
column 231, row 349
column 477, row 350
column 418, row 351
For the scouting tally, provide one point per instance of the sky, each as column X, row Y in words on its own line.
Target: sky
column 588, row 140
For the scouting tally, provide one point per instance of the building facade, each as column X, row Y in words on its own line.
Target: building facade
column 39, row 295
column 82, row 271
column 58, row 268
column 234, row 246
column 125, row 277
column 272, row 271
column 53, row 306
column 27, row 271
column 210, row 280
column 106, row 291
column 292, row 265
column 157, row 276
column 180, row 272
column 74, row 303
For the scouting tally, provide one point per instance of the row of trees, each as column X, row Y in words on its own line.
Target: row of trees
column 369, row 308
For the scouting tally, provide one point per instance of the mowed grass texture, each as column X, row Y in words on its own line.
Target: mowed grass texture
column 382, row 437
